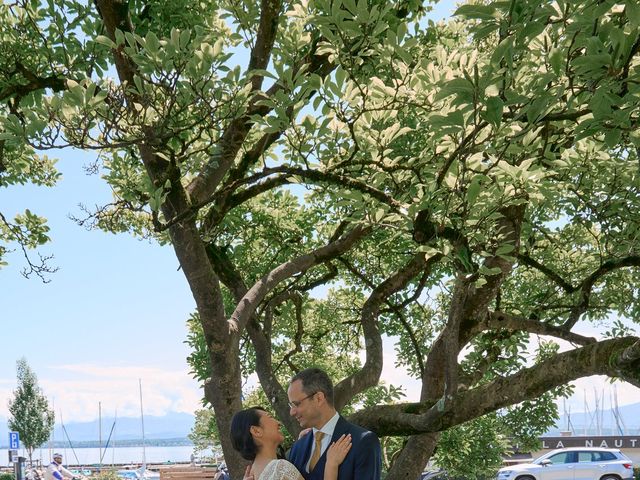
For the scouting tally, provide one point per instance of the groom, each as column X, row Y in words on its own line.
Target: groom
column 311, row 403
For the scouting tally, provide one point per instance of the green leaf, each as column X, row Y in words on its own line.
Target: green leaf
column 532, row 30
column 453, row 121
column 489, row 271
column 480, row 282
column 504, row 249
column 632, row 10
column 473, row 190
column 152, row 44
column 556, row 59
column 484, row 29
column 480, row 12
column 104, row 40
column 589, row 64
column 612, row 137
column 503, row 51
column 600, row 105
column 455, row 87
column 493, row 113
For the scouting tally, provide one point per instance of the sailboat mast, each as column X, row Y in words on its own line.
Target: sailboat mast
column 113, row 450
column 144, row 453
column 52, row 438
column 619, row 419
column 100, row 432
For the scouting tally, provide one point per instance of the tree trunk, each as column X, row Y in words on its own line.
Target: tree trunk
column 413, row 457
column 224, row 389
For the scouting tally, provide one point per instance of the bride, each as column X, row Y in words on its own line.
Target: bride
column 256, row 435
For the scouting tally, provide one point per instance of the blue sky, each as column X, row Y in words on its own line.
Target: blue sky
column 114, row 312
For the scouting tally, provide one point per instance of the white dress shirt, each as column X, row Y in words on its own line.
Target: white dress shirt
column 327, row 429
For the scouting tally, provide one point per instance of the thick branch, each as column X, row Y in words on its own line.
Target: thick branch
column 232, row 279
column 469, row 306
column 205, row 184
column 115, row 16
column 334, row 178
column 501, row 320
column 267, row 29
column 34, row 83
column 226, row 199
column 619, row 357
column 256, row 294
column 369, row 374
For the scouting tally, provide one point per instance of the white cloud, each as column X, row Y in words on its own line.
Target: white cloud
column 76, row 390
column 6, row 392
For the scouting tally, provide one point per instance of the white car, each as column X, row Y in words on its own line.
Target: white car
column 580, row 463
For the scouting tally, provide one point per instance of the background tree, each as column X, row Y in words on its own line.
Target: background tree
column 204, row 433
column 29, row 412
column 461, row 188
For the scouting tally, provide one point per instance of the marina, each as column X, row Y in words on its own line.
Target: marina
column 118, row 456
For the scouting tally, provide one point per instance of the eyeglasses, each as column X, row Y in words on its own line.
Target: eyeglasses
column 296, row 403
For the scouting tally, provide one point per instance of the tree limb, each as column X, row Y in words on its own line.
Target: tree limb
column 232, row 279
column 247, row 305
column 369, row 374
column 502, row 320
column 205, row 184
column 587, row 285
column 619, row 357
column 34, row 83
column 533, row 263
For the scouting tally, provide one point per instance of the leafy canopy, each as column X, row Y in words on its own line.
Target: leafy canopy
column 460, row 189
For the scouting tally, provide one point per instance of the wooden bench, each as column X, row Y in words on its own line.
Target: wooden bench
column 191, row 473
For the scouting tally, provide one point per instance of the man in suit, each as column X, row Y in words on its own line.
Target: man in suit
column 311, row 403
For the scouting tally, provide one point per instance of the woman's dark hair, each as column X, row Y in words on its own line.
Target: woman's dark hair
column 241, row 438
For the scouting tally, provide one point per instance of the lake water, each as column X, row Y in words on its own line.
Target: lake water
column 117, row 455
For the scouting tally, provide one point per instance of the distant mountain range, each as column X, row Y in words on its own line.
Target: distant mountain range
column 173, row 425
column 582, row 422
column 176, row 425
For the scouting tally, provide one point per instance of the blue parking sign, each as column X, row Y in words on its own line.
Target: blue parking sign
column 14, row 440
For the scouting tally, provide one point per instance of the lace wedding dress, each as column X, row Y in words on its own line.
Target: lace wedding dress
column 280, row 470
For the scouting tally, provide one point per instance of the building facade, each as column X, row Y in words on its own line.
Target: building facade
column 627, row 444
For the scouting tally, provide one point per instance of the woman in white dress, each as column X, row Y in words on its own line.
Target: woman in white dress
column 256, row 435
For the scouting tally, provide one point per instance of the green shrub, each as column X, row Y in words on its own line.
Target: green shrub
column 106, row 475
column 636, row 473
column 6, row 476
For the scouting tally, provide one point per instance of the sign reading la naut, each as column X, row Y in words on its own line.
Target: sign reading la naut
column 604, row 442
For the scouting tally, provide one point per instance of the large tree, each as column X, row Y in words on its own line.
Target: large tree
column 467, row 187
column 29, row 410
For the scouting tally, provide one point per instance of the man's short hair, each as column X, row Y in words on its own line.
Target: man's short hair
column 315, row 380
column 57, row 455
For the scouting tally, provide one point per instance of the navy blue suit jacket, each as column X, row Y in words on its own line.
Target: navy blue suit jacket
column 363, row 462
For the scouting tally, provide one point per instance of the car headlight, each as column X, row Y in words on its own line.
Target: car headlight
column 504, row 473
